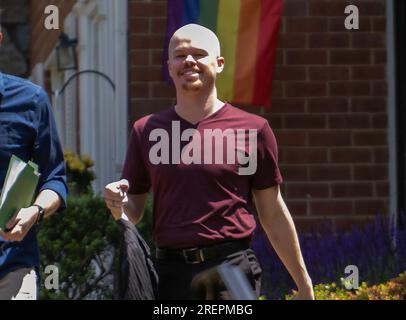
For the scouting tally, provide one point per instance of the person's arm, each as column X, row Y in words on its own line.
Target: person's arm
column 280, row 229
column 134, row 208
column 49, row 200
column 26, row 217
column 120, row 202
column 48, row 155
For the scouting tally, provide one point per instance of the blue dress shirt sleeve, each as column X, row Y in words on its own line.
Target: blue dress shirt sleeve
column 48, row 152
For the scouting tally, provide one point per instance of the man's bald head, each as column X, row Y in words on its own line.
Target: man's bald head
column 198, row 35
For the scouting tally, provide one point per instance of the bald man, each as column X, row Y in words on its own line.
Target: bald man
column 206, row 163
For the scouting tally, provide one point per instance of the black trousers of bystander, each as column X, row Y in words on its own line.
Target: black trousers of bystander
column 181, row 281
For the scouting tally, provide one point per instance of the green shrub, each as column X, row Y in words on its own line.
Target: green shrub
column 394, row 289
column 84, row 240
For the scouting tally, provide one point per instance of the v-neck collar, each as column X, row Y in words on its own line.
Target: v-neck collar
column 217, row 113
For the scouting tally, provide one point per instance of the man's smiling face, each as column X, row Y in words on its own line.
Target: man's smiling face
column 194, row 58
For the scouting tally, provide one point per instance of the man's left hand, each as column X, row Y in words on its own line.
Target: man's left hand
column 20, row 224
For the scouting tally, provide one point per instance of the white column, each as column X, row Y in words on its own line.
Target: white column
column 121, row 76
column 103, row 112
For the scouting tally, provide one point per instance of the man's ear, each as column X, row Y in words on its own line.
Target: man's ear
column 220, row 64
column 1, row 36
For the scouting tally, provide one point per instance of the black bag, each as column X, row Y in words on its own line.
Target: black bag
column 137, row 278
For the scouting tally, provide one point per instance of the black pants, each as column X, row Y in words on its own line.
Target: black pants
column 181, row 281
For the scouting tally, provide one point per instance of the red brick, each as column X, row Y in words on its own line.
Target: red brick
column 288, row 105
column 147, row 9
column 326, row 8
column 371, row 172
column 330, row 172
column 142, row 74
column 277, row 89
column 328, row 73
column 374, row 104
column 371, row 8
column 329, row 40
column 306, row 24
column 382, row 189
column 380, row 89
column 327, row 105
column 379, row 24
column 156, row 57
column 381, row 155
column 280, row 57
column 290, row 73
column 291, row 137
column 351, row 155
column 352, row 189
column 306, row 89
column 379, row 56
column 158, row 25
column 350, row 57
column 275, row 121
column 370, row 207
column 306, row 57
column 295, row 8
column 139, row 90
column 297, row 207
column 292, row 40
column 370, row 138
column 312, row 225
column 163, row 90
column 293, row 173
column 330, row 138
column 139, row 57
column 138, row 25
column 305, row 121
column 306, row 190
column 141, row 107
column 146, row 41
column 331, row 207
column 368, row 73
column 380, row 121
column 337, row 24
column 303, row 155
column 350, row 89
column 368, row 40
column 349, row 121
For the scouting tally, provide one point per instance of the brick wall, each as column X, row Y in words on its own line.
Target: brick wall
column 43, row 40
column 329, row 104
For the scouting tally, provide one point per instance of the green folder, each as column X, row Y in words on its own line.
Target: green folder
column 18, row 189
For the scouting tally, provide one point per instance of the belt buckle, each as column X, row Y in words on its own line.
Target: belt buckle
column 186, row 256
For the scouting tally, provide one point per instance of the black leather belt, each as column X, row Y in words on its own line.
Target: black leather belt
column 198, row 255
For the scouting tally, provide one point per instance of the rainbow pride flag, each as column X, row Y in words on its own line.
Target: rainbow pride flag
column 247, row 30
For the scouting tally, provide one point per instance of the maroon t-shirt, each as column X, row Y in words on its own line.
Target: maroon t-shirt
column 201, row 174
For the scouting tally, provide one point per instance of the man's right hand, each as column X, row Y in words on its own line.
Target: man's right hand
column 115, row 196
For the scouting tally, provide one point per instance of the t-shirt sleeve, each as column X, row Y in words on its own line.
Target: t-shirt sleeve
column 267, row 173
column 135, row 170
